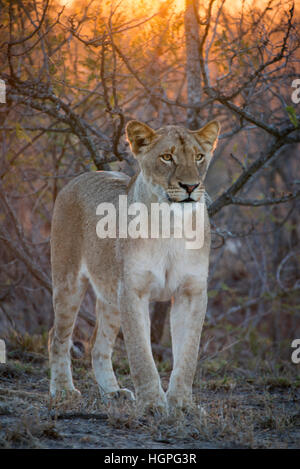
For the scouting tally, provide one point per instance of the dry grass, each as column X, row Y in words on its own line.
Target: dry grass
column 250, row 400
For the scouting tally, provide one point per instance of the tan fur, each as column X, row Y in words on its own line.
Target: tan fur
column 127, row 274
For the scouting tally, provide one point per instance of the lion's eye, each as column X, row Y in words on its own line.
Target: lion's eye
column 166, row 157
column 199, row 157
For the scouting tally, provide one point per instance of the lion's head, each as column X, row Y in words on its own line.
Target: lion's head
column 173, row 159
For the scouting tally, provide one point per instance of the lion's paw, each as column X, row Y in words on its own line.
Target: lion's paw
column 64, row 395
column 155, row 405
column 123, row 394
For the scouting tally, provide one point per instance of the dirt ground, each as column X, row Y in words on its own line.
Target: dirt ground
column 242, row 408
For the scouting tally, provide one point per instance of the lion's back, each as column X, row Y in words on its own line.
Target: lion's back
column 88, row 190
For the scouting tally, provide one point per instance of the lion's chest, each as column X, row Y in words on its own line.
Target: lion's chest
column 159, row 267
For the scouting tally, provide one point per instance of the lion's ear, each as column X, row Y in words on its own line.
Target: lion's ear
column 209, row 133
column 139, row 135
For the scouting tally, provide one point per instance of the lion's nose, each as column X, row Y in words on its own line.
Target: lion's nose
column 188, row 187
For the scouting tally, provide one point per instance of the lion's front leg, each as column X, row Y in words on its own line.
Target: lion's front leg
column 136, row 329
column 187, row 316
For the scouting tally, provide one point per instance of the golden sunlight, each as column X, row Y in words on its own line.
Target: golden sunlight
column 178, row 5
column 138, row 5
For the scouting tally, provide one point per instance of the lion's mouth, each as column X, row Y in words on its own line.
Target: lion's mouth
column 187, row 200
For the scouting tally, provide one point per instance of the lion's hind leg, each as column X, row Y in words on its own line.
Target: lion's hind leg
column 68, row 294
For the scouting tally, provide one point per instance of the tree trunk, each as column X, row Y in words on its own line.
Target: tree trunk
column 193, row 71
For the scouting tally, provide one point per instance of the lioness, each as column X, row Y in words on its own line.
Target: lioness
column 126, row 274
